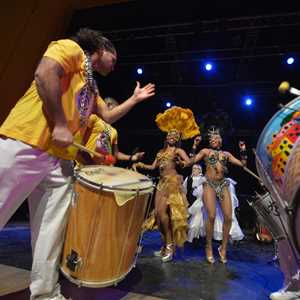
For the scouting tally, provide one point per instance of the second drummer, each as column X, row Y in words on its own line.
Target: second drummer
column 103, row 138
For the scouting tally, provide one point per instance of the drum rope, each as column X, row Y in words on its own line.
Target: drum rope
column 75, row 202
column 128, row 229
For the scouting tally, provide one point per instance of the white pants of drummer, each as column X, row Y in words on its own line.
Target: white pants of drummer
column 26, row 172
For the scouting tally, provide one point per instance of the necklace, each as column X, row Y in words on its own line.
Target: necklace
column 87, row 92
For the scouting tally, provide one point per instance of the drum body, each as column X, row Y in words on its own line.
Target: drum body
column 278, row 164
column 102, row 235
column 275, row 147
column 291, row 185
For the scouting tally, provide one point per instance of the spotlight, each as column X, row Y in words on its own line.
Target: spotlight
column 139, row 71
column 248, row 101
column 290, row 60
column 208, row 66
column 168, row 103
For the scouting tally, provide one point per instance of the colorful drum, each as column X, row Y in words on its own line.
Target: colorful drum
column 105, row 225
column 291, row 186
column 278, row 164
column 275, row 146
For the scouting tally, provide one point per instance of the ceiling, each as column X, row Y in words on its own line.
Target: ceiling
column 247, row 43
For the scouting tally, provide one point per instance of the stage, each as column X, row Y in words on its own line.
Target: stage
column 249, row 275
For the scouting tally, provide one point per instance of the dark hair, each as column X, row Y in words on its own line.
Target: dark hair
column 92, row 40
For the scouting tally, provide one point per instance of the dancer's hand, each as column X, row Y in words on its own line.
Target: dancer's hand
column 180, row 162
column 133, row 167
column 197, row 141
column 137, row 156
column 242, row 145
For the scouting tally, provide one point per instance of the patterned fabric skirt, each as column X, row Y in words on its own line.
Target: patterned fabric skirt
column 170, row 188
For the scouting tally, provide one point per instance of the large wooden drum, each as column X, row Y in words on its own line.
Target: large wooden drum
column 105, row 223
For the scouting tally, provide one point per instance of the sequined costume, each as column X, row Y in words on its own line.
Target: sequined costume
column 170, row 186
column 217, row 185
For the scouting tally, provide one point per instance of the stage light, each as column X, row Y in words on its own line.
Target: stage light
column 208, row 66
column 248, row 101
column 168, row 103
column 139, row 71
column 290, row 60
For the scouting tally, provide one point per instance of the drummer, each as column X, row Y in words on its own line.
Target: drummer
column 35, row 140
column 102, row 138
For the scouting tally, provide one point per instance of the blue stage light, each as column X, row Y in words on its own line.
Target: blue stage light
column 139, row 71
column 208, row 66
column 168, row 104
column 290, row 60
column 248, row 101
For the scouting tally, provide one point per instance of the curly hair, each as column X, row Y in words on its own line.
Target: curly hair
column 92, row 40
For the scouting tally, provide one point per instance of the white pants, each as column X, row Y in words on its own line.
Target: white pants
column 26, row 172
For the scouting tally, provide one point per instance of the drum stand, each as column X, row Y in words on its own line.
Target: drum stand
column 275, row 259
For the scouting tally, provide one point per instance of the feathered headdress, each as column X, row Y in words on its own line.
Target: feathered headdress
column 179, row 119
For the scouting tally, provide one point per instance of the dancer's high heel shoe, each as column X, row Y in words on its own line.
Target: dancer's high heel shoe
column 210, row 258
column 160, row 252
column 223, row 258
column 168, row 254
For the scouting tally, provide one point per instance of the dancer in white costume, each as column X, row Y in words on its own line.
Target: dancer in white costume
column 192, row 182
column 198, row 215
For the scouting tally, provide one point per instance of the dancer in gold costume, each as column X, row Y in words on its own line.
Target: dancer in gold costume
column 170, row 212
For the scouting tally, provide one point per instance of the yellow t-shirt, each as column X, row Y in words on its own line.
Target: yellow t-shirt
column 103, row 136
column 27, row 121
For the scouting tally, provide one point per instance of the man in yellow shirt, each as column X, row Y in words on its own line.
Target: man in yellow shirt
column 102, row 138
column 36, row 139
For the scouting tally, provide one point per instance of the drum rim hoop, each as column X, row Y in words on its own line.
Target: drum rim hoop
column 110, row 188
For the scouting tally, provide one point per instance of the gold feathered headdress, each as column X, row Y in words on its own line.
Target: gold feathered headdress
column 179, row 119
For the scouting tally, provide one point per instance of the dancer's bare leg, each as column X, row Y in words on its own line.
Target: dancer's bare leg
column 226, row 205
column 209, row 199
column 163, row 219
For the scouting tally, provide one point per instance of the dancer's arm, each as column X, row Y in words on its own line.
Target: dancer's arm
column 127, row 157
column 199, row 156
column 235, row 161
column 141, row 165
column 183, row 157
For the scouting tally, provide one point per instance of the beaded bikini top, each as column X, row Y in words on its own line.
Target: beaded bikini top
column 214, row 157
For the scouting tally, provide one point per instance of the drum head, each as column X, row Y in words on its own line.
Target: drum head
column 113, row 178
